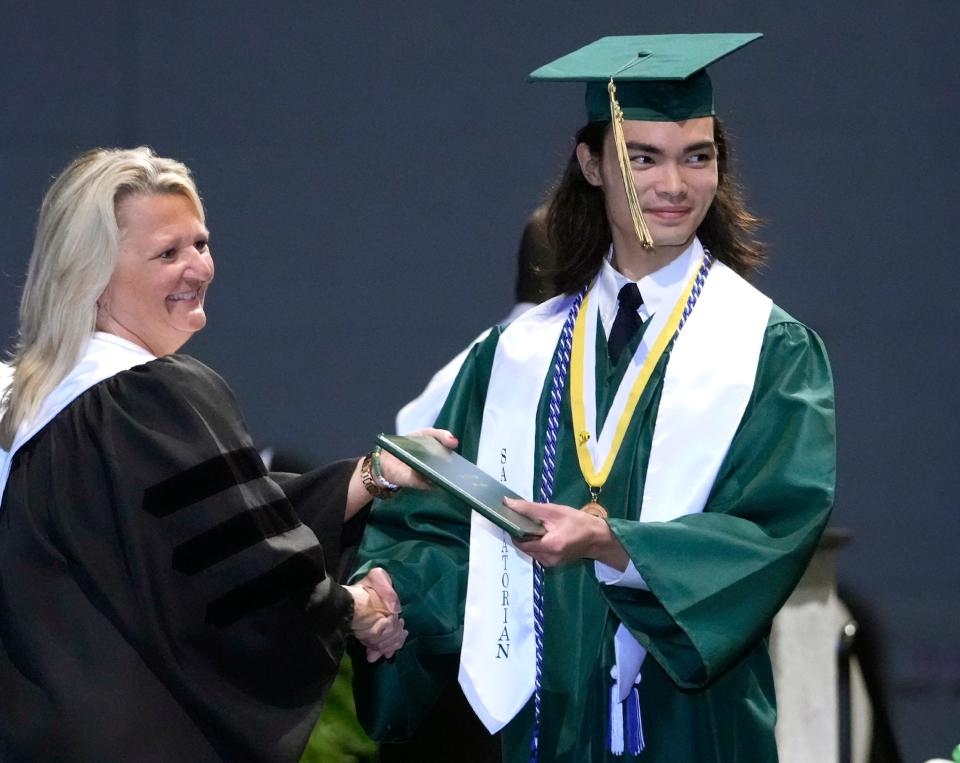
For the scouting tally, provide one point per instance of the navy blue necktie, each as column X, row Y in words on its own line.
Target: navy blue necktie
column 626, row 323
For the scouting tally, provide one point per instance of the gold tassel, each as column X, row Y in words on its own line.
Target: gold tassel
column 616, row 120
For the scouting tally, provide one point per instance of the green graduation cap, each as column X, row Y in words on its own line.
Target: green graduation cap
column 659, row 78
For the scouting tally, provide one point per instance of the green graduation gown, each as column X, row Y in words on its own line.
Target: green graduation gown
column 716, row 578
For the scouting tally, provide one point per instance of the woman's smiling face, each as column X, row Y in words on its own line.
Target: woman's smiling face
column 156, row 294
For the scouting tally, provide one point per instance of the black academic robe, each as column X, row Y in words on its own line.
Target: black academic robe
column 162, row 597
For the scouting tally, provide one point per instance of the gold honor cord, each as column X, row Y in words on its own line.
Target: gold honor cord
column 594, row 476
column 626, row 172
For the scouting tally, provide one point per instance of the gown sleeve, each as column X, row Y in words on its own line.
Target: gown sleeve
column 319, row 497
column 198, row 556
column 422, row 539
column 716, row 579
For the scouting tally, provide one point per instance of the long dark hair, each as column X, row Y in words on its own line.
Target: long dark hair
column 579, row 232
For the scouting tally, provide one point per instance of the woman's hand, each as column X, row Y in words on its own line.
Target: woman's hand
column 376, row 615
column 397, row 472
column 571, row 535
column 393, row 470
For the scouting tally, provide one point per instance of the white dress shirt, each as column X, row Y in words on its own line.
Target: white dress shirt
column 652, row 287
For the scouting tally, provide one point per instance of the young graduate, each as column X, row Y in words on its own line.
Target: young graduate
column 677, row 432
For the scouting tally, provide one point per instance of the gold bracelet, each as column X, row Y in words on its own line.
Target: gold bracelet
column 378, row 472
column 369, row 481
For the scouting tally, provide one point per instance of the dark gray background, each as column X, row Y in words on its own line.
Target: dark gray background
column 367, row 168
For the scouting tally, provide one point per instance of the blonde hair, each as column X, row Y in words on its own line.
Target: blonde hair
column 74, row 255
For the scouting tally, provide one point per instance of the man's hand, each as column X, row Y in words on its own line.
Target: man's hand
column 376, row 617
column 571, row 535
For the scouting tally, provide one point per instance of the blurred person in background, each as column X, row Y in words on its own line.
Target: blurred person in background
column 533, row 285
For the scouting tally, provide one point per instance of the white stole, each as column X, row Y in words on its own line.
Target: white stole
column 706, row 388
column 498, row 656
column 105, row 355
column 707, row 384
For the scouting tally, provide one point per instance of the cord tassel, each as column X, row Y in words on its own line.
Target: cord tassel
column 615, row 728
column 635, row 743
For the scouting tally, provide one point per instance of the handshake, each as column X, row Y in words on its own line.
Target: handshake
column 376, row 615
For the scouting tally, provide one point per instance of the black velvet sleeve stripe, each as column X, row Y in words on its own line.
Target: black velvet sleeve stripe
column 297, row 574
column 234, row 535
column 202, row 481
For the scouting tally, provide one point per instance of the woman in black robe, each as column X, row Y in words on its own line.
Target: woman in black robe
column 162, row 596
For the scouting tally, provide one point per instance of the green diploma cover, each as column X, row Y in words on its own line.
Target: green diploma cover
column 462, row 479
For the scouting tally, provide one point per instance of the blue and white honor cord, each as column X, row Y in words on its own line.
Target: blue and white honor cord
column 547, row 473
column 549, row 470
column 695, row 291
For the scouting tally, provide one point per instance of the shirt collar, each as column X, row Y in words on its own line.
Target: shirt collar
column 103, row 336
column 653, row 287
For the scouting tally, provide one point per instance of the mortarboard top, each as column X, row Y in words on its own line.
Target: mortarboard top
column 659, row 77
column 654, row 77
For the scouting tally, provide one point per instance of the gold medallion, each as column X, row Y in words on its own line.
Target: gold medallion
column 594, row 509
